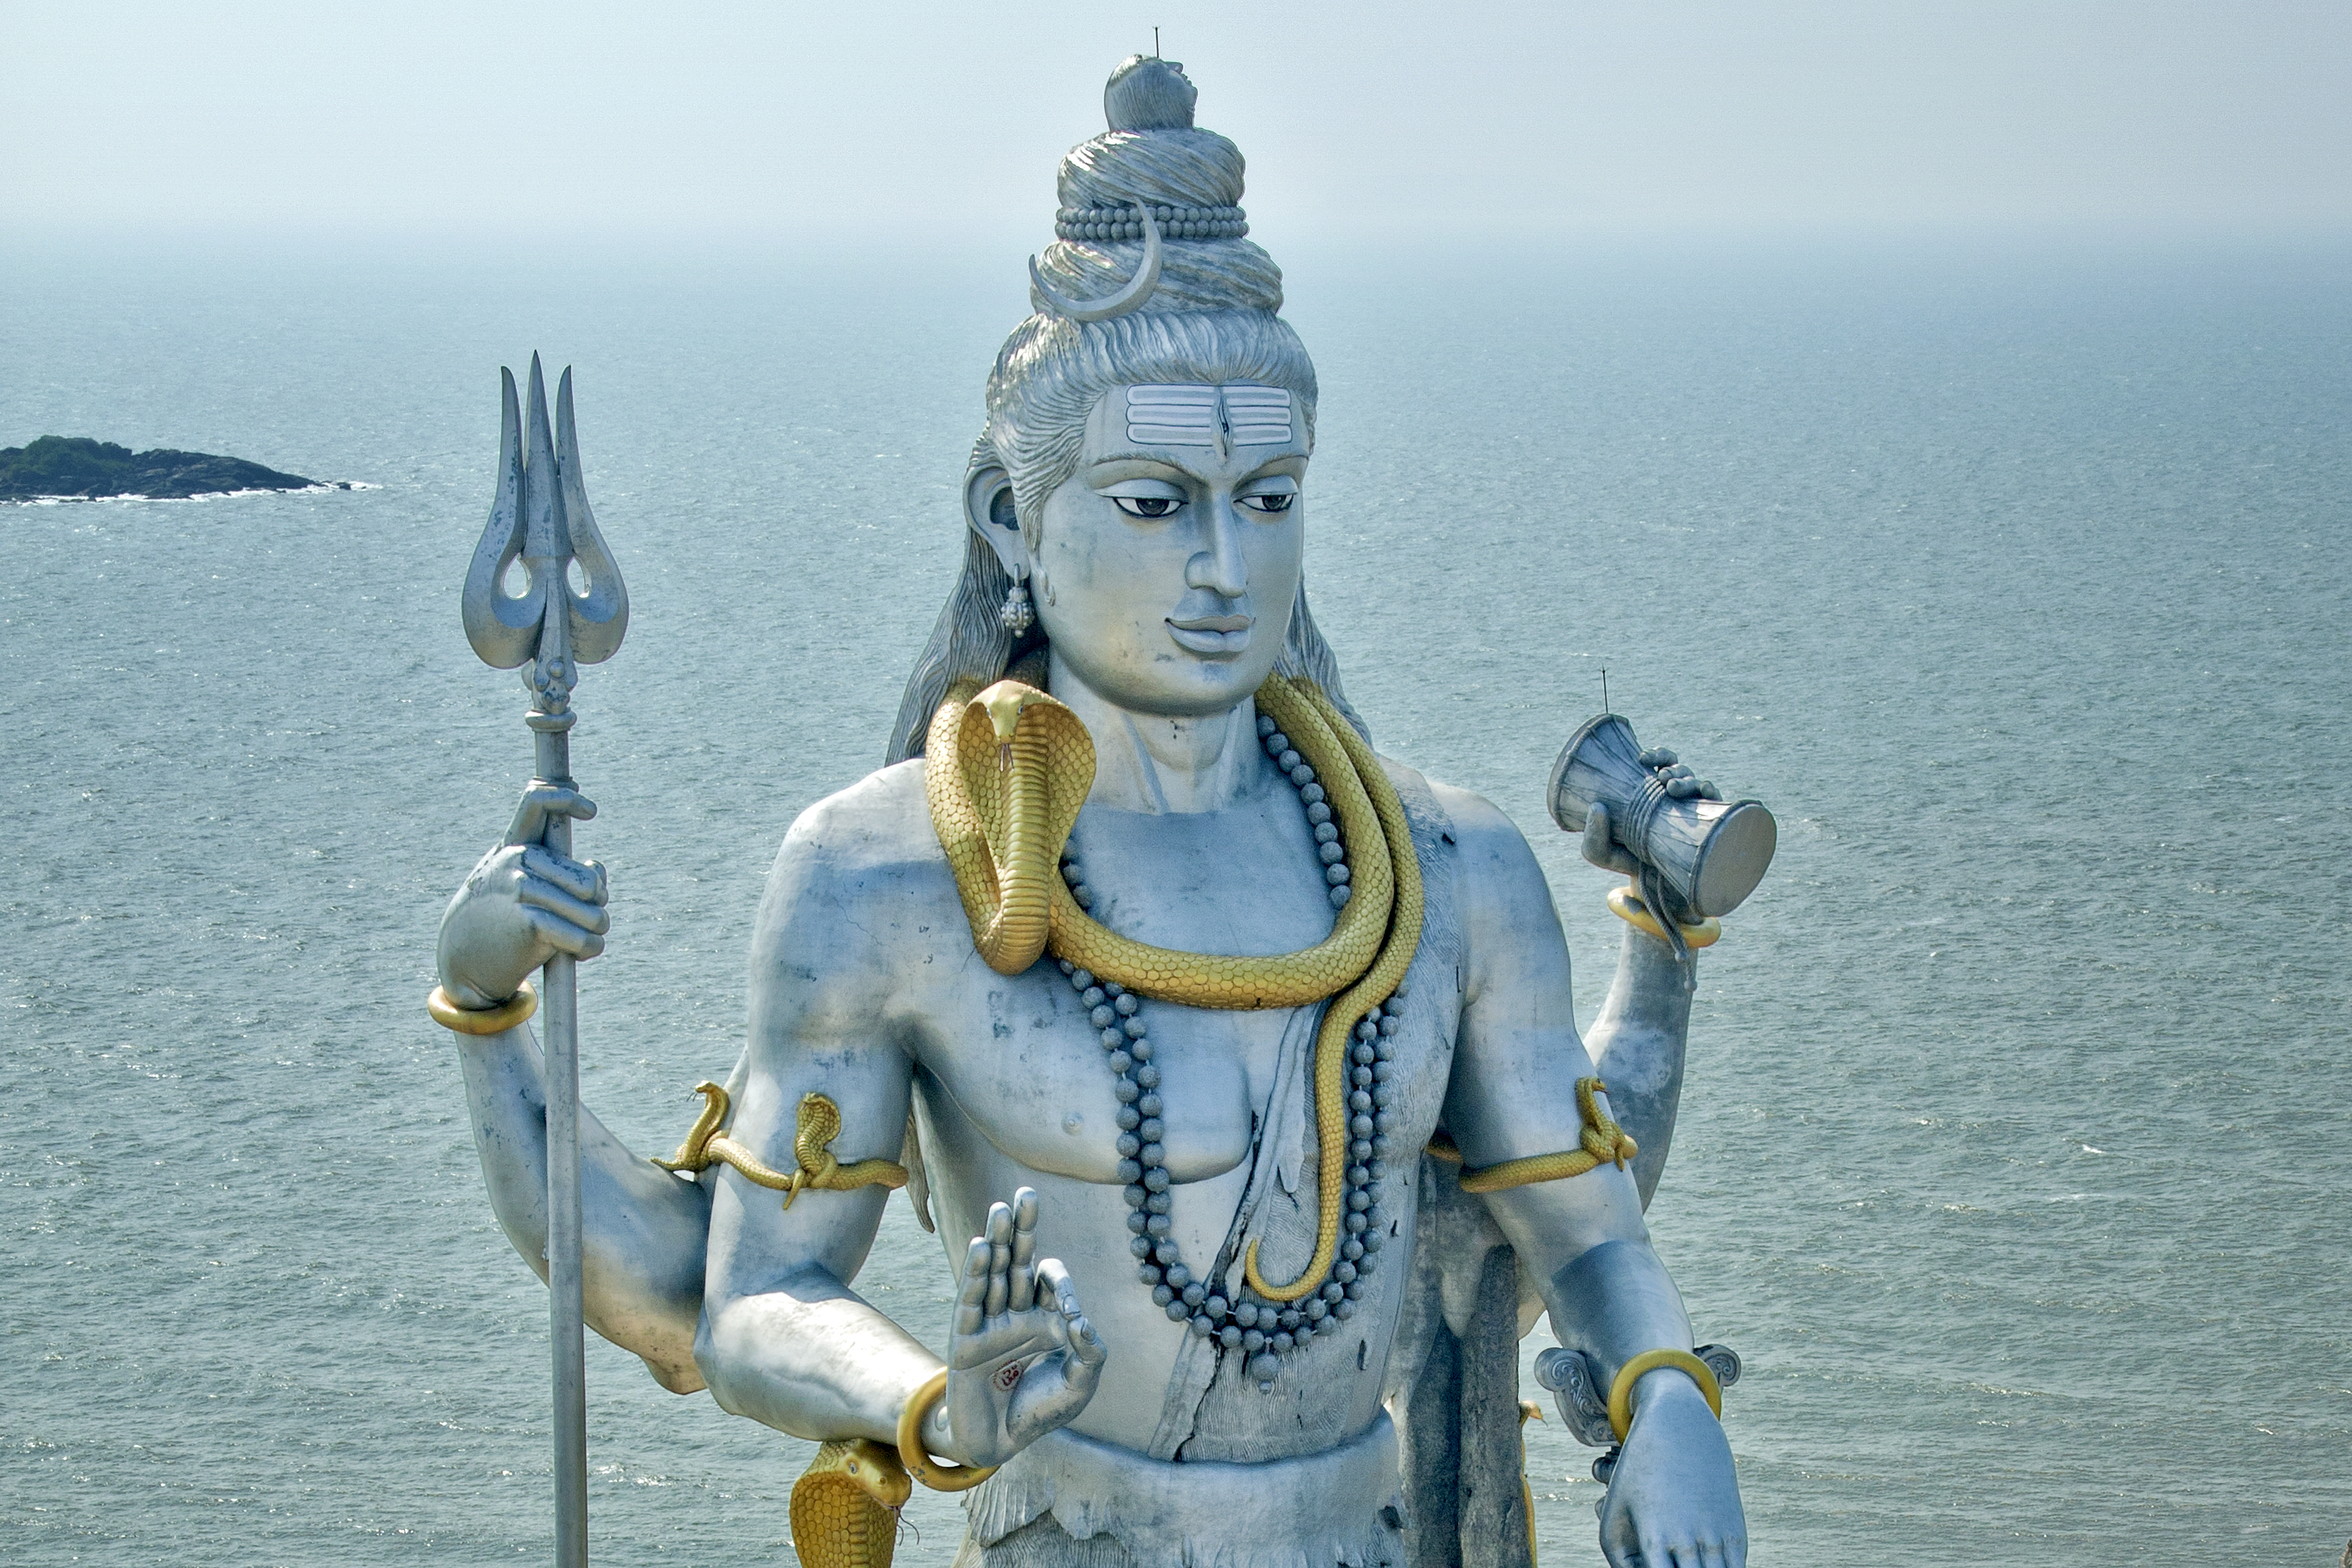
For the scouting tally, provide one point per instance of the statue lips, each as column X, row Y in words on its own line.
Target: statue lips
column 1212, row 637
column 1209, row 624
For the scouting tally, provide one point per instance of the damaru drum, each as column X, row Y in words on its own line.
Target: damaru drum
column 1711, row 853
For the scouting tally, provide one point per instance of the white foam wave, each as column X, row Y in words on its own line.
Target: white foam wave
column 323, row 488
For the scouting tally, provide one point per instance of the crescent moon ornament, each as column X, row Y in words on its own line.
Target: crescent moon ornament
column 1130, row 296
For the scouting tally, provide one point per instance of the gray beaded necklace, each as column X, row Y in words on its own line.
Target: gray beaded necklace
column 1237, row 1319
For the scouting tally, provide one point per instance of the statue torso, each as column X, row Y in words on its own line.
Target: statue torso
column 1011, row 1088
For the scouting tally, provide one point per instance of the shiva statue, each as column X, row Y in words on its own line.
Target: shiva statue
column 1234, row 1062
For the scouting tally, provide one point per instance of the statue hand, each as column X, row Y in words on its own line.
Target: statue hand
column 522, row 904
column 1021, row 1358
column 1674, row 1500
column 1602, row 850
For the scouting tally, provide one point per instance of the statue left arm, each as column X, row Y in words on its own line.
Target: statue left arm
column 1637, row 1041
column 1637, row 1045
column 1675, row 1498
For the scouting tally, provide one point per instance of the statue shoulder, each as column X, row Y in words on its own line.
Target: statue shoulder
column 870, row 847
column 1496, row 874
column 1502, row 899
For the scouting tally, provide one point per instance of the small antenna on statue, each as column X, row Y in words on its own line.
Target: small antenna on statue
column 1604, row 689
column 1155, row 43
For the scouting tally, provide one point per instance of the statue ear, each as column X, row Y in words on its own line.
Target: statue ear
column 988, row 508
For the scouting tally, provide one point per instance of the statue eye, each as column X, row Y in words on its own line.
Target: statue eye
column 1147, row 506
column 1268, row 504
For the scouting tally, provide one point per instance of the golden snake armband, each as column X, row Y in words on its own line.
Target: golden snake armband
column 1601, row 1142
column 819, row 1125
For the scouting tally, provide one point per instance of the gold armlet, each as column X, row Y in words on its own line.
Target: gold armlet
column 495, row 1020
column 818, row 1126
column 918, row 1459
column 1620, row 1391
column 1603, row 1143
column 1626, row 904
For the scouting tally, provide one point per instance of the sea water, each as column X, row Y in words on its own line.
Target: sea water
column 2015, row 1157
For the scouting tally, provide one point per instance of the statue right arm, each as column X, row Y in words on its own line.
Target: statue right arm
column 858, row 909
column 783, row 1338
column 859, row 936
column 786, row 1340
column 641, row 1230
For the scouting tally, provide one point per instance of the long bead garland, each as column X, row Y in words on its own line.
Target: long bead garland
column 1238, row 1320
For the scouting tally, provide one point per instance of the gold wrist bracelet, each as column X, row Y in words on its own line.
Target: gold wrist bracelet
column 482, row 1020
column 1626, row 904
column 1620, row 1391
column 918, row 1459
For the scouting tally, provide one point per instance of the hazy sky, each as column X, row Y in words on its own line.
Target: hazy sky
column 426, row 115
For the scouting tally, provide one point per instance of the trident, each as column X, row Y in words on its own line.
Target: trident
column 540, row 516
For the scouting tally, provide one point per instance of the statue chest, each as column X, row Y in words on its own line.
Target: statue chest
column 1028, row 1071
column 1026, row 1064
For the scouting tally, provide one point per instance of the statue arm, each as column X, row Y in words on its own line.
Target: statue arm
column 1516, row 1060
column 642, row 1228
column 1637, row 1045
column 1674, row 1495
column 783, row 1338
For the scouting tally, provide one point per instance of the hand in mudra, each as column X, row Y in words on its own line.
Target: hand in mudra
column 1021, row 1358
column 522, row 904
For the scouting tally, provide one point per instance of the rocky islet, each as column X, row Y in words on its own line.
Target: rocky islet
column 76, row 467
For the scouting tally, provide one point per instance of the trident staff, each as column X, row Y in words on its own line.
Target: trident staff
column 540, row 516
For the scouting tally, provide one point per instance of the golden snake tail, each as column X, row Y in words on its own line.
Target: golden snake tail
column 845, row 1506
column 1340, row 1018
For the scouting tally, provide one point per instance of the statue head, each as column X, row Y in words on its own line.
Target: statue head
column 1143, row 464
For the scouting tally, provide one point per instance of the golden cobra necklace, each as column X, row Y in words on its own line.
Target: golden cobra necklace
column 1006, row 771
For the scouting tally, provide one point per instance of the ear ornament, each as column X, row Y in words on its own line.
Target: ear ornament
column 1017, row 616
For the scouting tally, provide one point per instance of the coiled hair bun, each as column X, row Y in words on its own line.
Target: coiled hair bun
column 1154, row 155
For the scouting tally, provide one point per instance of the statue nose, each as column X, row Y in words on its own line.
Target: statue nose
column 1219, row 568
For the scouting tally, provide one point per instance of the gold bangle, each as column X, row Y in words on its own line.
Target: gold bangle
column 495, row 1020
column 1627, row 906
column 1620, row 1391
column 918, row 1459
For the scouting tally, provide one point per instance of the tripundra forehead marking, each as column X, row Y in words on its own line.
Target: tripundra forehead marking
column 1240, row 415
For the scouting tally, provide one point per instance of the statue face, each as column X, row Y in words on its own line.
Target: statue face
column 1168, row 562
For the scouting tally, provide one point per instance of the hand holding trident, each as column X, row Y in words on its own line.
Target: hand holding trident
column 540, row 516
